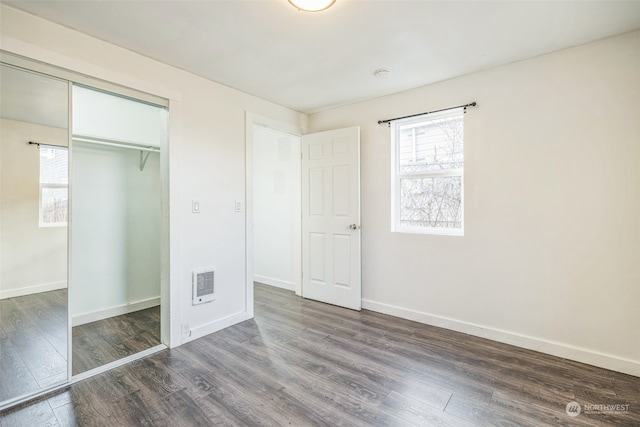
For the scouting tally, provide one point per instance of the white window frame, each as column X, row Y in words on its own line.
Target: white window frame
column 396, row 178
column 44, row 185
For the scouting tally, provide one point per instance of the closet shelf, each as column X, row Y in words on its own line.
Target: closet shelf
column 145, row 150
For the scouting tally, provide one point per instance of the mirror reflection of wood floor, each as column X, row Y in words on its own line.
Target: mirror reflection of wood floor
column 105, row 341
column 304, row 363
column 33, row 341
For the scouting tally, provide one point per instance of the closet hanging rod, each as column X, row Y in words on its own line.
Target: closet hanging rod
column 115, row 143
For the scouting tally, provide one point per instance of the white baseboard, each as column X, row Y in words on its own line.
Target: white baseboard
column 590, row 357
column 274, row 282
column 119, row 310
column 30, row 290
column 209, row 328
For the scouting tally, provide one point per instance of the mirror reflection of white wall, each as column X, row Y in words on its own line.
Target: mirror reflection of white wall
column 33, row 244
column 116, row 223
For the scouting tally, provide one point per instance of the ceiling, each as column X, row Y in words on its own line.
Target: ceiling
column 314, row 61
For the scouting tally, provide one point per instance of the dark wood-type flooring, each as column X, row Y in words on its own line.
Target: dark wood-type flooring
column 33, row 342
column 105, row 341
column 303, row 363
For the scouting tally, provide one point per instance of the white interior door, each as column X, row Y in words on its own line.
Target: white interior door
column 331, row 217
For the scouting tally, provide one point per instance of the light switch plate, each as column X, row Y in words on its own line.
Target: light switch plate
column 195, row 206
column 238, row 206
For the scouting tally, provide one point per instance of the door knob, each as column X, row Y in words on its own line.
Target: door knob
column 353, row 227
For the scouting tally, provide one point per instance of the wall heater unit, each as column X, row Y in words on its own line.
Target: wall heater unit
column 203, row 285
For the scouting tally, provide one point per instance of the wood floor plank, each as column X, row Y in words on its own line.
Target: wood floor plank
column 179, row 409
column 90, row 352
column 420, row 413
column 60, row 398
column 150, row 374
column 16, row 376
column 223, row 392
column 435, row 376
column 37, row 414
column 517, row 362
column 56, row 333
column 487, row 416
column 97, row 343
column 305, row 320
column 622, row 410
column 42, row 359
column 483, row 371
column 66, row 416
column 551, row 414
column 132, row 410
column 387, row 376
column 200, row 380
column 356, row 399
column 321, row 396
column 360, row 359
column 628, row 388
column 42, row 308
column 12, row 318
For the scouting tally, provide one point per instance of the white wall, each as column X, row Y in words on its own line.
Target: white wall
column 33, row 259
column 206, row 161
column 276, row 206
column 115, row 232
column 550, row 255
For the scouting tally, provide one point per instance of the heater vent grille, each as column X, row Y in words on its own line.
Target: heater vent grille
column 203, row 282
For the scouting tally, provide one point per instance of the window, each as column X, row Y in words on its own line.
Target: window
column 54, row 186
column 428, row 163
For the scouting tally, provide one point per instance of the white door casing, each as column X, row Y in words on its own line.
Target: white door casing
column 331, row 252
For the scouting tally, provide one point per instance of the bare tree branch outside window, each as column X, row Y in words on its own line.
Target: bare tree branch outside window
column 430, row 156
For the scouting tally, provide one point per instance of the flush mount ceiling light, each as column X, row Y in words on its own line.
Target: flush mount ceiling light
column 312, row 5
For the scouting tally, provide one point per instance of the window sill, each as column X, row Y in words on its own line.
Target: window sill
column 429, row 231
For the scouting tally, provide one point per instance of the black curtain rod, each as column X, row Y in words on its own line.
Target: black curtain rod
column 472, row 104
column 49, row 145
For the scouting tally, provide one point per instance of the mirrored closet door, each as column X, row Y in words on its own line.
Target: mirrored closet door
column 115, row 236
column 82, row 226
column 34, row 137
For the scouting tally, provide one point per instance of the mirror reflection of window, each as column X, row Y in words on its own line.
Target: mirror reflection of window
column 54, row 186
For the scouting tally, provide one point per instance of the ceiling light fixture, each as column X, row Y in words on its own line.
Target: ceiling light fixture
column 312, row 5
column 381, row 73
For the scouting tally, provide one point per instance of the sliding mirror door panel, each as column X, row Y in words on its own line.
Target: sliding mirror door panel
column 116, row 230
column 34, row 136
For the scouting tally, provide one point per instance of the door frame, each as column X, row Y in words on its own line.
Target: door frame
column 252, row 119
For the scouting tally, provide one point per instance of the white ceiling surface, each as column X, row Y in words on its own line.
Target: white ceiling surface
column 314, row 61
